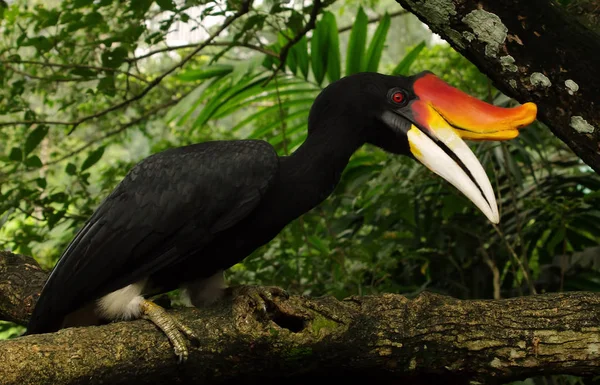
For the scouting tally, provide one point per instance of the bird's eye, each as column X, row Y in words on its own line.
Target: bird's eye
column 398, row 97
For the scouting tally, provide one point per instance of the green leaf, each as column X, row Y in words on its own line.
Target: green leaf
column 318, row 52
column 205, row 72
column 70, row 17
column 253, row 21
column 83, row 72
column 92, row 158
column 132, row 34
column 16, row 154
column 333, row 47
column 106, row 85
column 46, row 18
column 403, row 67
column 557, row 237
column 301, row 49
column 54, row 217
column 356, row 43
column 92, row 19
column 377, row 43
column 3, row 7
column 187, row 106
column 33, row 162
column 41, row 182
column 114, row 58
column 276, row 8
column 295, row 22
column 166, row 5
column 77, row 20
column 290, row 60
column 34, row 138
column 139, row 7
column 71, row 169
column 82, row 3
column 319, row 244
column 41, row 43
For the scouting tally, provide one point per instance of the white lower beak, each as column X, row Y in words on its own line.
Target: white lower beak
column 476, row 187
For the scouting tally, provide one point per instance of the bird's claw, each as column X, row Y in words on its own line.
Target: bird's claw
column 261, row 296
column 174, row 329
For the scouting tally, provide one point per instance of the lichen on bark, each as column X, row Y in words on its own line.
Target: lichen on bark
column 488, row 28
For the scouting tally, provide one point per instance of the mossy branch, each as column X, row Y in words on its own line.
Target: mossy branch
column 387, row 337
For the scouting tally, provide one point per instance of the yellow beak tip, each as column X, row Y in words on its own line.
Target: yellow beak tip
column 529, row 113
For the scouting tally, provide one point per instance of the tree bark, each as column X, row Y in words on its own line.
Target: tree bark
column 384, row 338
column 21, row 280
column 533, row 50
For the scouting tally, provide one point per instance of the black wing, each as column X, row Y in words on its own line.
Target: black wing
column 168, row 206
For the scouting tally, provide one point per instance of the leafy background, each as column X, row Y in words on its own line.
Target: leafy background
column 88, row 88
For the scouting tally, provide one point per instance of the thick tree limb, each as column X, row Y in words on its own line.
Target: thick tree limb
column 533, row 51
column 21, row 280
column 387, row 338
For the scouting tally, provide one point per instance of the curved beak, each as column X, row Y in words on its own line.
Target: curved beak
column 441, row 117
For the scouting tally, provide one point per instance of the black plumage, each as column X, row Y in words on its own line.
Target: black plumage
column 167, row 209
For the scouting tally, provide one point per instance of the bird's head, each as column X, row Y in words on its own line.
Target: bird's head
column 423, row 117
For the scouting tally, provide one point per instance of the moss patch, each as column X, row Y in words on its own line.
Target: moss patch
column 322, row 323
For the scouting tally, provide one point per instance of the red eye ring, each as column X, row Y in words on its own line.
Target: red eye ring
column 398, row 97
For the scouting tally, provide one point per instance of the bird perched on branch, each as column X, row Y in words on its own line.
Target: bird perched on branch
column 182, row 216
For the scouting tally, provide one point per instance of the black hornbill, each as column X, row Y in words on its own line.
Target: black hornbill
column 182, row 216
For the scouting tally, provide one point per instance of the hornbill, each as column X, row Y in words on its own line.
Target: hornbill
column 182, row 216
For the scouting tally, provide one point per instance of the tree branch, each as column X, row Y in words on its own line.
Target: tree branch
column 160, row 50
column 21, row 280
column 257, row 48
column 213, row 44
column 533, row 51
column 374, row 20
column 58, row 65
column 388, row 338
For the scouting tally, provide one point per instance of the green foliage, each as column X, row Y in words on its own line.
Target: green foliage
column 332, row 47
column 318, row 44
column 10, row 330
column 377, row 44
column 356, row 43
column 403, row 68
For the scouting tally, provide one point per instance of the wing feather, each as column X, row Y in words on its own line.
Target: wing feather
column 169, row 206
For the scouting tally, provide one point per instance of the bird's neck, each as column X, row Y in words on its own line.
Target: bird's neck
column 314, row 169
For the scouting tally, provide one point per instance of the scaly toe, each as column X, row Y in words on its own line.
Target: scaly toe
column 261, row 296
column 189, row 333
column 174, row 329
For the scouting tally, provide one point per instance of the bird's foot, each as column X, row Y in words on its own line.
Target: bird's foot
column 175, row 331
column 261, row 296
